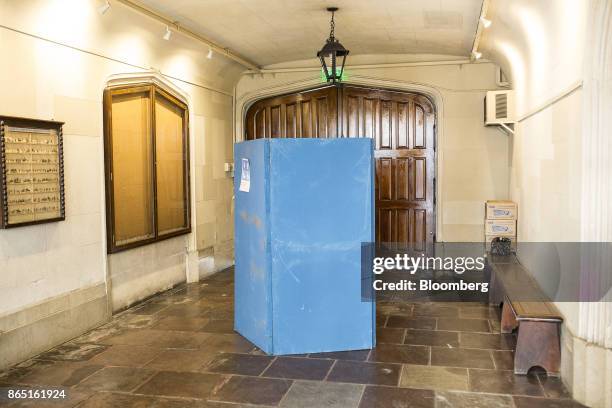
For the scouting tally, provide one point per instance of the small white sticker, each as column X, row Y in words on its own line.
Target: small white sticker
column 245, row 176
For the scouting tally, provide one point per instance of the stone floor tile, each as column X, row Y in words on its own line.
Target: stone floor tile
column 553, row 387
column 495, row 325
column 381, row 320
column 72, row 352
column 432, row 338
column 13, row 374
column 310, row 394
column 181, row 323
column 96, row 336
column 411, row 323
column 468, row 358
column 446, row 399
column 466, row 325
column 487, row 341
column 479, row 312
column 221, row 314
column 379, row 397
column 181, row 384
column 504, row 382
column 59, row 373
column 394, row 353
column 215, row 302
column 394, row 308
column 140, row 337
column 299, row 368
column 179, row 339
column 365, row 373
column 116, row 400
column 148, row 308
column 172, row 298
column 185, row 310
column 128, row 356
column 530, row 402
column 242, row 364
column 433, row 377
column 181, row 360
column 219, row 326
column 127, row 320
column 387, row 335
column 435, row 310
column 252, row 390
column 356, row 355
column 230, row 343
column 116, row 379
column 504, row 359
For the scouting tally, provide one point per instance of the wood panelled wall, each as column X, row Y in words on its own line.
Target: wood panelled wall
column 403, row 127
column 304, row 114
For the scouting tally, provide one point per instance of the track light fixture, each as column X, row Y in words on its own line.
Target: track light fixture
column 486, row 23
column 167, row 34
column 210, row 53
column 104, row 7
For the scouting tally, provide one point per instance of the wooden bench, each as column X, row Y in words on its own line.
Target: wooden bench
column 528, row 309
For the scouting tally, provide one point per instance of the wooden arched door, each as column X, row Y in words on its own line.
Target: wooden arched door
column 403, row 126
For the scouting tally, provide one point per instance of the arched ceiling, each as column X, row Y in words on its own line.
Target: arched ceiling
column 274, row 31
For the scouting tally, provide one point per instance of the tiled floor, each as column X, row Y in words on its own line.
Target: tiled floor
column 179, row 350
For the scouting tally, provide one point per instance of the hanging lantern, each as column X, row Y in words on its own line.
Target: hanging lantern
column 333, row 54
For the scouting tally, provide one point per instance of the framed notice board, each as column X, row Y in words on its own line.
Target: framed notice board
column 31, row 172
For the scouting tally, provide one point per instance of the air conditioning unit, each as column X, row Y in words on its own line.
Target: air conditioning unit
column 499, row 108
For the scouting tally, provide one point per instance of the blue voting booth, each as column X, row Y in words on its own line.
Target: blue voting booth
column 303, row 207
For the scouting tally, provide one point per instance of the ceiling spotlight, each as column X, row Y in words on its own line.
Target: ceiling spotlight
column 210, row 53
column 104, row 8
column 485, row 22
column 477, row 55
column 167, row 34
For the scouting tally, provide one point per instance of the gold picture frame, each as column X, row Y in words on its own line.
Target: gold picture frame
column 31, row 172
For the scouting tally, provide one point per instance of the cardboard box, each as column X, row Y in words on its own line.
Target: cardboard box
column 500, row 228
column 501, row 210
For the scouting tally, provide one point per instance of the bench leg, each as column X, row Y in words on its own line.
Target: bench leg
column 538, row 344
column 495, row 292
column 508, row 321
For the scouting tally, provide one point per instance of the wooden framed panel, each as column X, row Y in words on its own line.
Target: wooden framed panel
column 31, row 172
column 147, row 166
column 172, row 169
column 132, row 167
column 403, row 127
column 311, row 113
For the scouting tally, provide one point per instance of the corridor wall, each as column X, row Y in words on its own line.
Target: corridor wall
column 56, row 280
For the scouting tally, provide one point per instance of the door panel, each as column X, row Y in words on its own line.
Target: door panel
column 402, row 125
column 305, row 114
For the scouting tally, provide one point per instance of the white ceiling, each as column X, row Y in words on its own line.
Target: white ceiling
column 273, row 31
